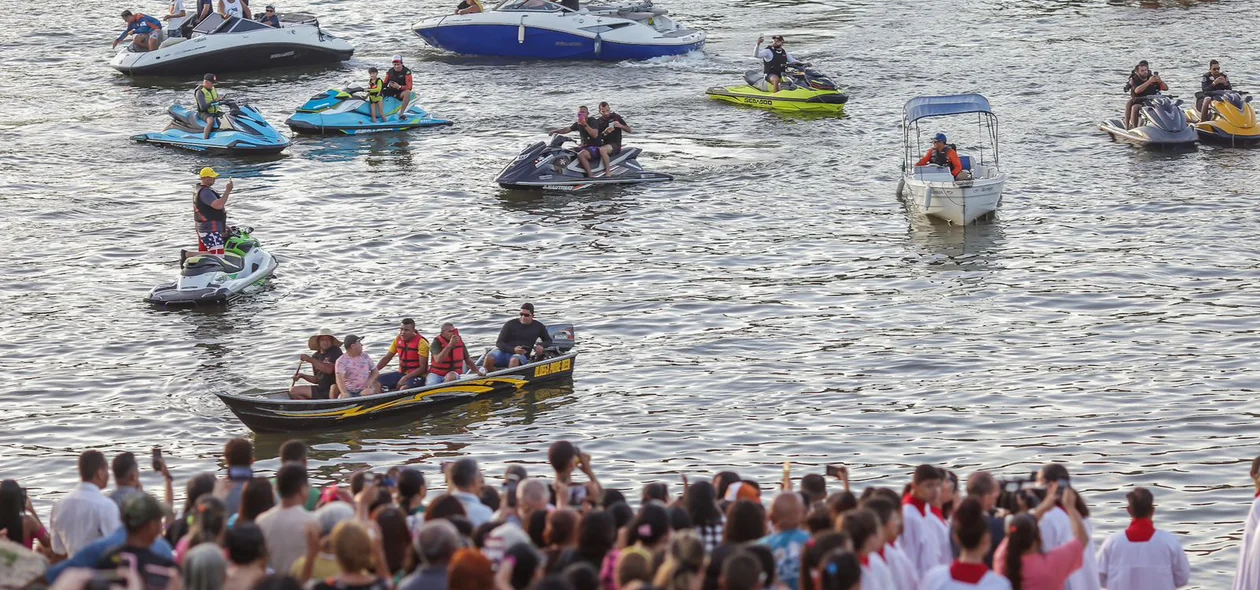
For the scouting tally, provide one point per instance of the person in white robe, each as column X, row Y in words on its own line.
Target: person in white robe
column 1141, row 557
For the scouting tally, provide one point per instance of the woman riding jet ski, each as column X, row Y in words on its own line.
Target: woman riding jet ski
column 207, row 279
column 234, row 128
column 1154, row 120
column 784, row 84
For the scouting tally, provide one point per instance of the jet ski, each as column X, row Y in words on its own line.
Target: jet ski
column 550, row 166
column 206, row 279
column 1160, row 124
column 1230, row 120
column 344, row 111
column 803, row 90
column 219, row 44
column 243, row 130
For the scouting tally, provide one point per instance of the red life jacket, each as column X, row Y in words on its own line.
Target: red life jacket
column 454, row 361
column 408, row 356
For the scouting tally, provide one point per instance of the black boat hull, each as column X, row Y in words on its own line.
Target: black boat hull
column 270, row 415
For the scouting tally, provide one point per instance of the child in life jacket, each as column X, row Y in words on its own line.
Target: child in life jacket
column 376, row 86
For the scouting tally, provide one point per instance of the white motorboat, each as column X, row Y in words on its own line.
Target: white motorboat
column 933, row 190
column 217, row 45
column 540, row 29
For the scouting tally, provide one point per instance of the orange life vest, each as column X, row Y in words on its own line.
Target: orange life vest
column 454, row 361
column 408, row 356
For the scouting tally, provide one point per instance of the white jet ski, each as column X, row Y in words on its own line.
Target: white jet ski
column 207, row 279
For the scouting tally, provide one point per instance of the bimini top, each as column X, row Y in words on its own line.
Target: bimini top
column 938, row 106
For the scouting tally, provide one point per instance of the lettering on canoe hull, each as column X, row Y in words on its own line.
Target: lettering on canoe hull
column 553, row 367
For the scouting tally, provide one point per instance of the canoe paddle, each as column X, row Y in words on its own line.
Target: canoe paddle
column 297, row 373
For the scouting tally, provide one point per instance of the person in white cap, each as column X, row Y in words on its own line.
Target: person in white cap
column 398, row 85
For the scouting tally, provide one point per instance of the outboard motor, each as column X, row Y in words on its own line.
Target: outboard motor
column 562, row 339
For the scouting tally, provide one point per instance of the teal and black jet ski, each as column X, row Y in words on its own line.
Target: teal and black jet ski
column 346, row 112
column 242, row 130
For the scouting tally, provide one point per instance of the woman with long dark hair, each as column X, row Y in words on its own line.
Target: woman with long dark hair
column 1021, row 557
column 971, row 534
column 863, row 528
column 197, row 486
column 209, row 523
column 257, row 497
column 700, row 500
column 1056, row 528
column 18, row 518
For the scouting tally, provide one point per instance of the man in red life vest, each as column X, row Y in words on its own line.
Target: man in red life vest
column 412, row 351
column 450, row 357
column 398, row 85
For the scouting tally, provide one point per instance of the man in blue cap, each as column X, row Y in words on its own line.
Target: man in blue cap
column 942, row 154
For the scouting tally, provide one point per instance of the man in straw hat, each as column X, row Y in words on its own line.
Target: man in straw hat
column 327, row 350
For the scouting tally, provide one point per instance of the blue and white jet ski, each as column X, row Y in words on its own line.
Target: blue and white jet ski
column 243, row 130
column 346, row 112
column 206, row 279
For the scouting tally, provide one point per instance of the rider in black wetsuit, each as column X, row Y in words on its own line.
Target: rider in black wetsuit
column 1213, row 81
column 1142, row 83
column 585, row 127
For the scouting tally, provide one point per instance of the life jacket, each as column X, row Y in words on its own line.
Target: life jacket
column 778, row 63
column 375, row 89
column 392, row 75
column 941, row 157
column 408, row 357
column 208, row 96
column 204, row 213
column 454, row 361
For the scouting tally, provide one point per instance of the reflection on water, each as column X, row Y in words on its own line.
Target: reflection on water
column 973, row 247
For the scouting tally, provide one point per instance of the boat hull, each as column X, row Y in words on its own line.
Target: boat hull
column 959, row 203
column 537, row 41
column 235, row 53
column 269, row 415
column 1149, row 135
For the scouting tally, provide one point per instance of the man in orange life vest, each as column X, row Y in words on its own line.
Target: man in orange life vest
column 413, row 358
column 450, row 357
column 942, row 154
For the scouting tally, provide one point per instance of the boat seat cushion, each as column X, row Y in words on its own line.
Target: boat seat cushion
column 966, row 162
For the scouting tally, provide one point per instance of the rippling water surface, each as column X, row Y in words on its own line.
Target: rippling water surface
column 775, row 302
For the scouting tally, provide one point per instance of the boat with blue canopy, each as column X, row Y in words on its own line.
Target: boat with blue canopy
column 933, row 188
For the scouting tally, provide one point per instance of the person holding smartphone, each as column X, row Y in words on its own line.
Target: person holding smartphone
column 590, row 138
column 1142, row 84
column 517, row 338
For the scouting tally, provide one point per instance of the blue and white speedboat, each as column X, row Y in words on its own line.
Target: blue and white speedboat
column 335, row 112
column 540, row 29
column 243, row 130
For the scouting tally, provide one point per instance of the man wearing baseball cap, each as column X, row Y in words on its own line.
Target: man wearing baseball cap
column 398, row 85
column 942, row 154
column 210, row 213
column 142, row 517
column 774, row 60
column 207, row 97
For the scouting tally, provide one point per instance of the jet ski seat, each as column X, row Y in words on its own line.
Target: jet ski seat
column 597, row 165
column 207, row 263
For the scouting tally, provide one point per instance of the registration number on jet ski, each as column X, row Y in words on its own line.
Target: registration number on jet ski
column 760, row 101
column 555, row 367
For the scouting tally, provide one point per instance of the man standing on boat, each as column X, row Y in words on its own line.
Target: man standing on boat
column 774, row 60
column 516, row 339
column 412, row 350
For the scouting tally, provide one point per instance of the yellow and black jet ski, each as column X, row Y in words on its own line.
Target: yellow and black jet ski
column 804, row 90
column 1230, row 120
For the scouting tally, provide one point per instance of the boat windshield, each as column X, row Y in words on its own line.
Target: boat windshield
column 530, row 6
column 217, row 24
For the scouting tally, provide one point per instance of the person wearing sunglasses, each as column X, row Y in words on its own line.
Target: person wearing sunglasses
column 516, row 339
column 270, row 18
column 1213, row 81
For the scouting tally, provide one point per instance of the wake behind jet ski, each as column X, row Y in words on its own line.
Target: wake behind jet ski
column 550, row 166
column 242, row 130
column 208, row 279
column 347, row 112
column 1230, row 119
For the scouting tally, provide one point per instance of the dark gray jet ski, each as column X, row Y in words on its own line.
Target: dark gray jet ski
column 550, row 166
column 1161, row 123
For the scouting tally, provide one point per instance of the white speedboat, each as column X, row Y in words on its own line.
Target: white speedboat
column 217, row 45
column 539, row 29
column 933, row 190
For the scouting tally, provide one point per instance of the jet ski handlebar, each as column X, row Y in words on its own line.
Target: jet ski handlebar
column 559, row 140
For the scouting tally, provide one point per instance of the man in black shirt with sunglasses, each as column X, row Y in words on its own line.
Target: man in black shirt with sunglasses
column 516, row 339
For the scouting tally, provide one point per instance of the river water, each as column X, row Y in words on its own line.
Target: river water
column 776, row 302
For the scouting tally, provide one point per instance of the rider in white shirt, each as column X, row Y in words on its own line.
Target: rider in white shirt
column 237, row 8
